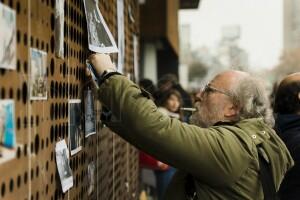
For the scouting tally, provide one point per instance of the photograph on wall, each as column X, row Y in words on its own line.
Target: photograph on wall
column 7, row 130
column 38, row 72
column 91, row 177
column 63, row 165
column 136, row 58
column 59, row 28
column 121, row 36
column 99, row 36
column 8, row 48
column 75, row 130
column 89, row 113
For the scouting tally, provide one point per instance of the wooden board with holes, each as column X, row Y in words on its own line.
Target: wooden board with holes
column 41, row 123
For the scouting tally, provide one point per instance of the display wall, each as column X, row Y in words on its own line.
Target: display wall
column 42, row 122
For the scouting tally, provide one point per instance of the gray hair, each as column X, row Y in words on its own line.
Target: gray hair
column 251, row 96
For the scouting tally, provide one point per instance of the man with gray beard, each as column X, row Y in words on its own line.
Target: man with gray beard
column 217, row 158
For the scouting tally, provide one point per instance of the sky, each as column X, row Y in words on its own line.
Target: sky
column 261, row 23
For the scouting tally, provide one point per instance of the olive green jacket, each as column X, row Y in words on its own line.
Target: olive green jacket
column 222, row 159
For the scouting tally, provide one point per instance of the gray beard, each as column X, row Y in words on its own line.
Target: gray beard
column 205, row 118
column 195, row 119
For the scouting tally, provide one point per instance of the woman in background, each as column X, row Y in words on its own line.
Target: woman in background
column 169, row 103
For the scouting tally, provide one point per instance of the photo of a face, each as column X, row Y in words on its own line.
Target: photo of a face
column 38, row 79
column 7, row 131
column 75, row 130
column 62, row 162
column 99, row 36
column 7, row 37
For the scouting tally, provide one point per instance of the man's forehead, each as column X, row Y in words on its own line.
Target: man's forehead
column 228, row 78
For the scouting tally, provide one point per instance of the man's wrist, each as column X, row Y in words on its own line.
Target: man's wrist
column 106, row 74
column 107, row 71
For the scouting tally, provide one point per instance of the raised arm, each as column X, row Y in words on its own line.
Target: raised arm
column 205, row 153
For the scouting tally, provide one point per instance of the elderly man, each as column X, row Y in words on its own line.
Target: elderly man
column 218, row 157
column 287, row 108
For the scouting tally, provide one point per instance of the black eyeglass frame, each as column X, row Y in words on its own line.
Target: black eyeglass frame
column 209, row 88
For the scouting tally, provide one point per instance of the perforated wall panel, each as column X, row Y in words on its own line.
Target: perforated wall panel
column 33, row 175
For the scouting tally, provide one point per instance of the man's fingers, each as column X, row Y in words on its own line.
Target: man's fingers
column 88, row 73
column 90, row 79
column 91, row 56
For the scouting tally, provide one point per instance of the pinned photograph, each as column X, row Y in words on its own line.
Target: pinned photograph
column 136, row 58
column 63, row 165
column 91, row 177
column 121, row 36
column 89, row 109
column 59, row 28
column 38, row 72
column 8, row 45
column 7, row 130
column 75, row 134
column 99, row 36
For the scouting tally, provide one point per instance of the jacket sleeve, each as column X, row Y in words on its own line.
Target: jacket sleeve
column 214, row 157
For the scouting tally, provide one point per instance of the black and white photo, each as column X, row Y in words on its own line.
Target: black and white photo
column 38, row 72
column 59, row 28
column 99, row 36
column 89, row 113
column 136, row 58
column 121, row 35
column 75, row 128
column 8, row 51
column 63, row 165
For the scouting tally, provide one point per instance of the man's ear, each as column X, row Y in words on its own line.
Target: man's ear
column 231, row 110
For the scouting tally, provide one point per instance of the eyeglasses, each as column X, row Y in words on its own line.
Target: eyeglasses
column 208, row 88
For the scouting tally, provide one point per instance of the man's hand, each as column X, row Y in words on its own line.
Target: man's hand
column 162, row 166
column 101, row 62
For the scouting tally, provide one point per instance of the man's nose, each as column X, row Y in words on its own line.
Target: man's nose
column 199, row 96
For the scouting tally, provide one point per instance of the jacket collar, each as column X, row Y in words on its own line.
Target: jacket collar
column 220, row 123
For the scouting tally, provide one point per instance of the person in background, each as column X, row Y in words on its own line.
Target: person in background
column 170, row 81
column 287, row 110
column 168, row 102
column 147, row 85
column 148, row 164
column 224, row 155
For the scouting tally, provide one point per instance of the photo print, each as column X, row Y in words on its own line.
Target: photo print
column 121, row 35
column 91, row 177
column 99, row 36
column 63, row 165
column 89, row 115
column 59, row 28
column 7, row 130
column 38, row 72
column 75, row 133
column 8, row 48
column 136, row 58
